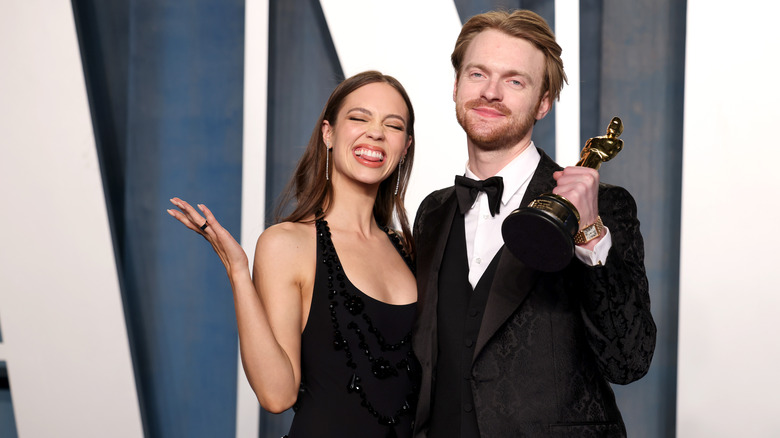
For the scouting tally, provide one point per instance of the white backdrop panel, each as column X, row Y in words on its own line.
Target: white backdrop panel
column 410, row 40
column 728, row 384
column 64, row 334
column 253, row 177
column 567, row 110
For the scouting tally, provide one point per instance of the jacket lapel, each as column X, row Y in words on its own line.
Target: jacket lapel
column 434, row 224
column 542, row 181
column 513, row 281
column 431, row 239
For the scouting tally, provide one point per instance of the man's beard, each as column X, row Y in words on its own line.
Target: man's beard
column 504, row 136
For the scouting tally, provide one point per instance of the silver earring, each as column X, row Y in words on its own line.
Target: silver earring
column 398, row 182
column 327, row 161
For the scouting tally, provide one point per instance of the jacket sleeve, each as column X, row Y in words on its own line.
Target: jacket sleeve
column 615, row 298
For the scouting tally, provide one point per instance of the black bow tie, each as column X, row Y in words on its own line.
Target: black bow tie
column 467, row 190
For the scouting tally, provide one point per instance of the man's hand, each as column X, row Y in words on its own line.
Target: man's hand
column 580, row 185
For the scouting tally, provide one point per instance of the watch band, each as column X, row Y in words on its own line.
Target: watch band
column 590, row 232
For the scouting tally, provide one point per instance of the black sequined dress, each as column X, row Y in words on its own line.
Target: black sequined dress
column 359, row 376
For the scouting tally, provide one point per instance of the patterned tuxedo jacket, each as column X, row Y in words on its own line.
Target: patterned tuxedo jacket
column 549, row 343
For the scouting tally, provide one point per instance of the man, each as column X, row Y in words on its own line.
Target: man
column 505, row 350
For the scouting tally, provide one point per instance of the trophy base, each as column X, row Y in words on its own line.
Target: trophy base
column 540, row 235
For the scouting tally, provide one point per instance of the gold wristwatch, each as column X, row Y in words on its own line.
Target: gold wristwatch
column 590, row 232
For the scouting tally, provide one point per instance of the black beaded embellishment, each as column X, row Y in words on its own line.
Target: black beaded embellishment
column 381, row 368
column 396, row 240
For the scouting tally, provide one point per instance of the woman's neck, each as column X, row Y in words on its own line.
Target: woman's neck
column 352, row 208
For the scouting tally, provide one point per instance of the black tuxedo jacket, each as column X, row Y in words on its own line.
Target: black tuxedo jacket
column 549, row 343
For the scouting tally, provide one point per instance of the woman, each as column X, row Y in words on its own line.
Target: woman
column 324, row 321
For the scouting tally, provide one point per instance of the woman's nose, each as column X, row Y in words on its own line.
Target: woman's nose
column 375, row 131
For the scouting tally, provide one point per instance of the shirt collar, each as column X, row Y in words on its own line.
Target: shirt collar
column 516, row 173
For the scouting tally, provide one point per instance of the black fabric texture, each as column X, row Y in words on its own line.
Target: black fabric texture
column 549, row 344
column 326, row 406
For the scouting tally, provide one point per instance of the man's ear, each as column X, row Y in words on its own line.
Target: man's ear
column 544, row 106
column 455, row 90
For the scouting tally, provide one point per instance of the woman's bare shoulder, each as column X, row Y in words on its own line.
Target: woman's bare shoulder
column 286, row 242
column 287, row 237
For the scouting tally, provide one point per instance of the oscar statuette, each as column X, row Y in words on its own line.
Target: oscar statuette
column 541, row 235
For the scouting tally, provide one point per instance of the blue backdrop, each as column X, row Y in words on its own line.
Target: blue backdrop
column 165, row 81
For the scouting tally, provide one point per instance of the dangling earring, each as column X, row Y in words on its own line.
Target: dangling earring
column 327, row 161
column 398, row 182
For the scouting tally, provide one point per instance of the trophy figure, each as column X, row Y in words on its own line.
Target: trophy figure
column 542, row 234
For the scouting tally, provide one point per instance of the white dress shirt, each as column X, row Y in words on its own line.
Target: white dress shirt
column 483, row 231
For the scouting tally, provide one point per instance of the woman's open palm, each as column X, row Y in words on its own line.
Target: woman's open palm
column 229, row 251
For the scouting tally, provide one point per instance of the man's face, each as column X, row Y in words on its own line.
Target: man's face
column 498, row 92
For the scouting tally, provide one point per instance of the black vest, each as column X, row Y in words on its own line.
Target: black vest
column 459, row 315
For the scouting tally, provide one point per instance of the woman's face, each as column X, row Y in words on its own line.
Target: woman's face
column 368, row 136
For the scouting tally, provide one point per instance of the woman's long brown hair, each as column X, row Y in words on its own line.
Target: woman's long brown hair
column 312, row 192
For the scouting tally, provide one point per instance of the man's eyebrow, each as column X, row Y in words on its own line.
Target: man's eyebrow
column 524, row 74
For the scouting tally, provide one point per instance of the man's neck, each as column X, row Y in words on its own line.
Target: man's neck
column 487, row 163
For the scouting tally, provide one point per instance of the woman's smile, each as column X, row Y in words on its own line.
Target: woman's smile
column 369, row 156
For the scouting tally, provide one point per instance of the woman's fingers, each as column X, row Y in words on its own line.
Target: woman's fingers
column 188, row 216
column 181, row 217
column 226, row 247
column 208, row 215
column 189, row 211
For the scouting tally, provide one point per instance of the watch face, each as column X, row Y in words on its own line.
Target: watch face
column 591, row 232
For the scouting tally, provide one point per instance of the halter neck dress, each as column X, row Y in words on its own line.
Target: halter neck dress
column 359, row 375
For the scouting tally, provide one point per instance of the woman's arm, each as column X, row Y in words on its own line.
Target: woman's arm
column 268, row 309
column 283, row 268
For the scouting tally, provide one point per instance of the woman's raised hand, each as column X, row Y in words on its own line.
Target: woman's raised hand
column 229, row 251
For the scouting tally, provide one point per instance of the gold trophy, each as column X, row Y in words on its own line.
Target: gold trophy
column 542, row 234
